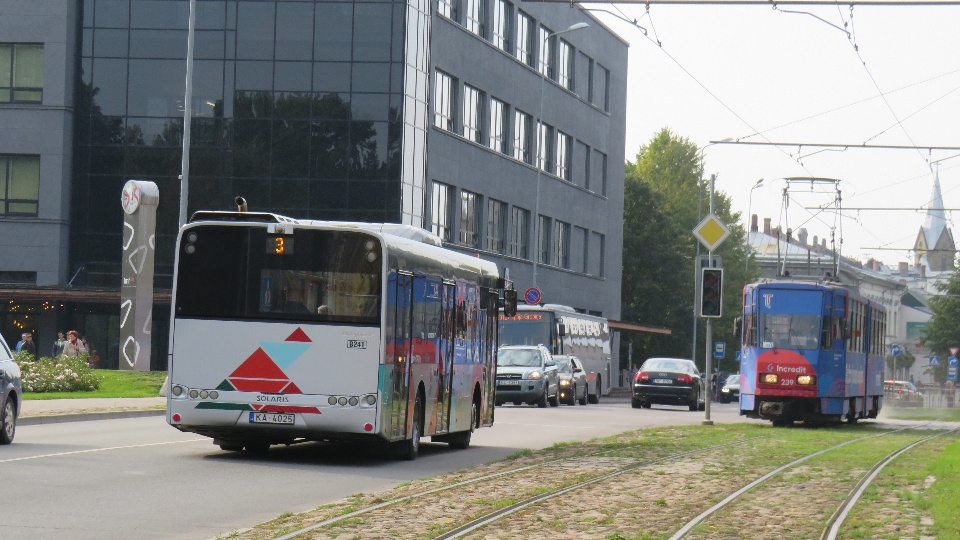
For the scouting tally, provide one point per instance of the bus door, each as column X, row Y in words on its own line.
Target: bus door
column 402, row 333
column 445, row 375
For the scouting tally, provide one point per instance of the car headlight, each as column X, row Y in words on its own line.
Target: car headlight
column 725, row 390
column 534, row 375
column 565, row 382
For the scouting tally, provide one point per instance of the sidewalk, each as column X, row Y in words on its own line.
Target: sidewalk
column 50, row 411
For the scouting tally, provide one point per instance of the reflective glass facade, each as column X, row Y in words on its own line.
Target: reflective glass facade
column 297, row 106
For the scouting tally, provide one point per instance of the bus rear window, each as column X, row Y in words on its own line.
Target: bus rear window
column 225, row 272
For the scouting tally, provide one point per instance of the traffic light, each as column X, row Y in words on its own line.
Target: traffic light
column 711, row 292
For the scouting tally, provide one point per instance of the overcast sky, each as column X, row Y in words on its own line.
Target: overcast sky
column 764, row 75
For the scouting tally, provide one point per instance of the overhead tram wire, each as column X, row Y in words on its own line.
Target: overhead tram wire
column 897, row 3
column 659, row 45
column 846, row 146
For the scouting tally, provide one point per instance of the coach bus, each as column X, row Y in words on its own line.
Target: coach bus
column 564, row 331
column 285, row 330
column 812, row 351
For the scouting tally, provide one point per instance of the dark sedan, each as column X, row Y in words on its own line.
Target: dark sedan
column 731, row 389
column 668, row 381
column 10, row 396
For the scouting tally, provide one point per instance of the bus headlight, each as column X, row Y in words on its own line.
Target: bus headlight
column 769, row 378
column 177, row 390
column 807, row 380
column 371, row 399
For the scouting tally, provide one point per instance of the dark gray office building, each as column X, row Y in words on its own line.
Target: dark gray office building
column 498, row 125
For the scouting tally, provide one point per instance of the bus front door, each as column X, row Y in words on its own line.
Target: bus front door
column 402, row 332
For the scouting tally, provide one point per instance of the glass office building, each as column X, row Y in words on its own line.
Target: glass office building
column 407, row 111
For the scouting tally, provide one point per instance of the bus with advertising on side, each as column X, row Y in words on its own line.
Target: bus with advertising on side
column 812, row 351
column 564, row 331
column 287, row 330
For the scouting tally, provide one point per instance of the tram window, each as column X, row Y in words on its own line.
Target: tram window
column 790, row 331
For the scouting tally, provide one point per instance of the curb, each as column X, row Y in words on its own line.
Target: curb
column 85, row 417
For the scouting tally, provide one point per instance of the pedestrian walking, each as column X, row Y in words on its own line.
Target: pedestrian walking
column 58, row 345
column 26, row 344
column 73, row 346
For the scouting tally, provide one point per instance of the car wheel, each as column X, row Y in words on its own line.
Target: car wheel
column 408, row 449
column 695, row 403
column 555, row 400
column 8, row 420
column 583, row 400
column 648, row 405
column 542, row 402
column 635, row 403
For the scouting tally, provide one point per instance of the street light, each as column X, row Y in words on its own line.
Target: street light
column 540, row 142
column 746, row 253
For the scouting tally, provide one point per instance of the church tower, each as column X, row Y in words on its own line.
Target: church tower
column 934, row 247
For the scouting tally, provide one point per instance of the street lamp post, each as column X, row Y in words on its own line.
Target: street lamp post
column 746, row 251
column 540, row 142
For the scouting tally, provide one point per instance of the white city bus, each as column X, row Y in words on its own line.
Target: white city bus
column 285, row 330
column 564, row 331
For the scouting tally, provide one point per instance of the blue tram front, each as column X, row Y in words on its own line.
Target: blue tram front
column 811, row 351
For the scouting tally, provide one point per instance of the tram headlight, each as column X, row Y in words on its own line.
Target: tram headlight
column 807, row 380
column 534, row 375
column 769, row 378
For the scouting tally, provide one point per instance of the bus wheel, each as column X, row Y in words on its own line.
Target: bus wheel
column 408, row 449
column 595, row 398
column 257, row 448
column 462, row 440
column 230, row 446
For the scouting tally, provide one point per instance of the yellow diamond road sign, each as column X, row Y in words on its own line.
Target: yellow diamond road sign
column 711, row 232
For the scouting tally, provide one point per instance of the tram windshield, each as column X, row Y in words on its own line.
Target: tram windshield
column 789, row 331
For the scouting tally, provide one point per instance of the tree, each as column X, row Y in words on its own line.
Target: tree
column 665, row 197
column 943, row 329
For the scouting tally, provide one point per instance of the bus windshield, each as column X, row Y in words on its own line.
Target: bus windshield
column 525, row 329
column 242, row 272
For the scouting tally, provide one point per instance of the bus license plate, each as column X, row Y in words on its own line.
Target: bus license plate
column 662, row 381
column 270, row 418
column 508, row 383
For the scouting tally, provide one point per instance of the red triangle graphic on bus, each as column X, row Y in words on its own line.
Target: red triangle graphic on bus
column 291, row 389
column 259, row 366
column 299, row 335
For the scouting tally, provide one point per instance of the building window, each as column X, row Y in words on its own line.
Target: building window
column 565, row 65
column 562, row 162
column 469, row 215
column 524, row 38
column 521, row 136
column 21, row 72
column 443, row 102
column 498, row 125
column 598, row 172
column 543, row 240
column 561, row 243
column 502, row 15
column 544, row 146
column 441, row 211
column 447, row 8
column 544, row 66
column 519, row 232
column 603, row 88
column 472, row 107
column 19, row 185
column 496, row 212
column 474, row 16
column 590, row 79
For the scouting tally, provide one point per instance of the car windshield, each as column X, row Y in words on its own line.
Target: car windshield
column 518, row 357
column 733, row 380
column 564, row 365
column 664, row 365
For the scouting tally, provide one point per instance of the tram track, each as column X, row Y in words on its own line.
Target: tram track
column 627, row 488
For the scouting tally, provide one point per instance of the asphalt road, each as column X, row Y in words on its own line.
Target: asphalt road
column 140, row 478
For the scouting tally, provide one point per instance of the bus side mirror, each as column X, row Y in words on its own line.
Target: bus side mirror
column 738, row 328
column 562, row 329
column 509, row 302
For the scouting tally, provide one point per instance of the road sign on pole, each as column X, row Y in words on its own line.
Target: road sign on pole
column 719, row 348
column 934, row 361
column 895, row 349
column 532, row 296
column 711, row 231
